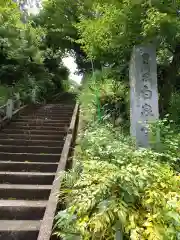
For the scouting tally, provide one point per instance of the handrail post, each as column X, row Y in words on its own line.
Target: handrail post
column 18, row 100
column 9, row 108
column 34, row 95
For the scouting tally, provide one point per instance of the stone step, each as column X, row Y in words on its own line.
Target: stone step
column 54, row 108
column 44, row 118
column 26, row 178
column 24, row 192
column 30, row 149
column 28, row 166
column 32, row 131
column 37, row 123
column 58, row 107
column 47, row 114
column 41, row 121
column 32, row 137
column 19, row 230
column 50, row 113
column 29, row 157
column 22, row 209
column 39, row 127
column 30, row 143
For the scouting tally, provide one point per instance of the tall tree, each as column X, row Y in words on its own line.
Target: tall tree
column 116, row 26
column 107, row 30
column 60, row 17
column 23, row 54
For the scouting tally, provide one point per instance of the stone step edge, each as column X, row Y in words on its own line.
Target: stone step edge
column 25, row 187
column 29, row 143
column 31, row 154
column 27, row 173
column 27, row 146
column 18, row 225
column 27, row 163
column 23, row 203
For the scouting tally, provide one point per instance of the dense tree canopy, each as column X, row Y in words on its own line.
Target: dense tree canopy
column 25, row 60
column 106, row 32
column 117, row 26
column 102, row 31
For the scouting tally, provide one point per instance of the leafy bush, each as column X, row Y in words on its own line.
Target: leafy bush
column 174, row 108
column 116, row 191
column 119, row 188
column 4, row 93
column 102, row 91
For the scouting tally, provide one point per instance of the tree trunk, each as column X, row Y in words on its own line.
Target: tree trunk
column 167, row 82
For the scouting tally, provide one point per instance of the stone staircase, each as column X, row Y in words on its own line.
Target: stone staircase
column 30, row 150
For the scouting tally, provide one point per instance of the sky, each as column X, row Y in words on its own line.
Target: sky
column 69, row 61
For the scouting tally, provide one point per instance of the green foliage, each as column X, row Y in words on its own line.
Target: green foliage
column 116, row 190
column 174, row 108
column 74, row 86
column 112, row 95
column 26, row 63
column 58, row 17
column 119, row 186
column 110, row 33
column 106, row 32
column 4, row 94
column 117, row 26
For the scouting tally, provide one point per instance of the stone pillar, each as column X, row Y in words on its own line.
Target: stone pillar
column 34, row 95
column 144, row 93
column 9, row 108
column 18, row 102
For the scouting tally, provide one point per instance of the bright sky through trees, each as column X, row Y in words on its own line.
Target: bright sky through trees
column 72, row 66
column 69, row 62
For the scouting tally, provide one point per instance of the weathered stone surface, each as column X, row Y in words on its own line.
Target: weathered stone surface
column 9, row 109
column 144, row 94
